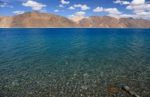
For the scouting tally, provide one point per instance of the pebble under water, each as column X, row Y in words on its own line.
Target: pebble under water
column 74, row 62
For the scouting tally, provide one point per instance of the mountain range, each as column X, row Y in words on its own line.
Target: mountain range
column 45, row 20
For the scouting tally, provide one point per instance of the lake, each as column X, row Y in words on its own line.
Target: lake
column 74, row 62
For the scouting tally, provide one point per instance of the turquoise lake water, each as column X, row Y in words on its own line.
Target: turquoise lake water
column 74, row 62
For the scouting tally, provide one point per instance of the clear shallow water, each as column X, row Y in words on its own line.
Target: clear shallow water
column 73, row 62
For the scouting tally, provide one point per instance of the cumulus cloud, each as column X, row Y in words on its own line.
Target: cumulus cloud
column 18, row 12
column 125, row 2
column 78, row 16
column 61, row 6
column 34, row 5
column 82, row 6
column 110, row 11
column 126, row 15
column 56, row 10
column 114, row 12
column 71, row 8
column 122, row 2
column 80, row 13
column 5, row 4
column 138, row 2
column 140, row 9
column 64, row 2
column 98, row 9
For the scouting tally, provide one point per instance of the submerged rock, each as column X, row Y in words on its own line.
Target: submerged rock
column 84, row 87
column 127, row 89
column 113, row 89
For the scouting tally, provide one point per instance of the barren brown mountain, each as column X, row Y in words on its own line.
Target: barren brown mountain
column 135, row 23
column 103, row 21
column 37, row 19
column 111, row 22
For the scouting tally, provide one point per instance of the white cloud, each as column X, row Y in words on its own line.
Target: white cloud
column 61, row 6
column 98, row 9
column 5, row 4
column 110, row 11
column 114, row 12
column 80, row 13
column 83, row 7
column 126, row 15
column 138, row 2
column 18, row 12
column 125, row 2
column 64, row 2
column 140, row 9
column 122, row 2
column 71, row 8
column 34, row 5
column 78, row 16
column 56, row 10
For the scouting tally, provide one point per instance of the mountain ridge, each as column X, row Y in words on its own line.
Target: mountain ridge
column 46, row 20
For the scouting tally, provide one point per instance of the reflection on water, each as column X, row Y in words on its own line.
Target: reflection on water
column 74, row 62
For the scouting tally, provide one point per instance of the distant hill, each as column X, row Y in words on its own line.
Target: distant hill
column 37, row 19
column 101, row 21
column 111, row 22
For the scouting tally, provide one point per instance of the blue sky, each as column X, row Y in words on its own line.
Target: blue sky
column 79, row 8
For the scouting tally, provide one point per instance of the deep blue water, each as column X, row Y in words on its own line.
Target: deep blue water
column 73, row 62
